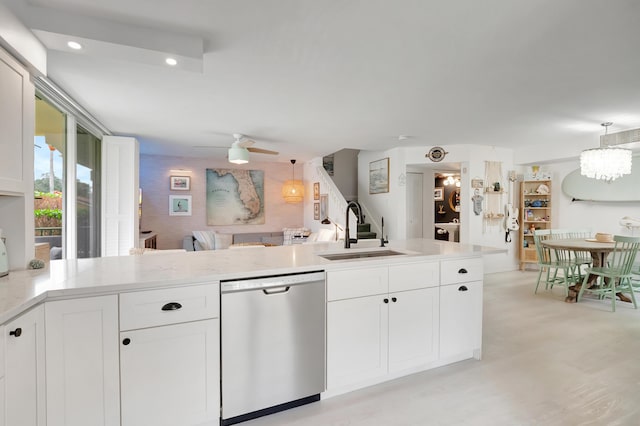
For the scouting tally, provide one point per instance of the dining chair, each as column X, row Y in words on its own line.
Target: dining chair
column 552, row 261
column 617, row 275
column 581, row 258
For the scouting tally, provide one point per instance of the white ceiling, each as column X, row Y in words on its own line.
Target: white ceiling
column 309, row 77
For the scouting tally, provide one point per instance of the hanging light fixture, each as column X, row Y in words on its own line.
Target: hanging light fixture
column 606, row 163
column 293, row 190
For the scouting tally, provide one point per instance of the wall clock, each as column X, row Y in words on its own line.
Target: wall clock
column 436, row 154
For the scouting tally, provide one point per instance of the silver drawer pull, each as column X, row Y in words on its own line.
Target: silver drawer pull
column 463, row 288
column 171, row 306
column 276, row 290
column 462, row 271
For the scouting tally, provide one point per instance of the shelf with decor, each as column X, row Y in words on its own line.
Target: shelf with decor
column 535, row 214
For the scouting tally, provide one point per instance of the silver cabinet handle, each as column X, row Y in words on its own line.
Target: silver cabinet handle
column 276, row 290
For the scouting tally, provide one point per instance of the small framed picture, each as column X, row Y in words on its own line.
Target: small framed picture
column 379, row 176
column 179, row 205
column 316, row 190
column 316, row 211
column 324, row 206
column 438, row 194
column 179, row 183
column 477, row 183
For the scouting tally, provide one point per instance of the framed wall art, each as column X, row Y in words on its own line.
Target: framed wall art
column 477, row 183
column 179, row 183
column 316, row 190
column 316, row 211
column 179, row 205
column 379, row 176
column 438, row 194
column 324, row 206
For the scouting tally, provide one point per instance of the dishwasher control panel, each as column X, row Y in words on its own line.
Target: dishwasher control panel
column 271, row 281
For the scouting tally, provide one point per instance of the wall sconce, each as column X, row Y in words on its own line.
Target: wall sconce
column 293, row 190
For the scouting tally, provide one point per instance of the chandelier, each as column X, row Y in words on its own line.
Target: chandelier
column 605, row 163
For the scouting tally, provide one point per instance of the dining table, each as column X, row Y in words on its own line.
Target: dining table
column 599, row 251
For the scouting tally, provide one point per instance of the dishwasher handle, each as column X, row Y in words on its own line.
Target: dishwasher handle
column 276, row 290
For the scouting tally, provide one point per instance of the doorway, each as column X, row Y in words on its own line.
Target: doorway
column 446, row 207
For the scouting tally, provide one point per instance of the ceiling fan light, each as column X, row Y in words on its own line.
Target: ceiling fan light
column 605, row 163
column 238, row 155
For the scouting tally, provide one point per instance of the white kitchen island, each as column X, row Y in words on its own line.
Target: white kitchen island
column 103, row 341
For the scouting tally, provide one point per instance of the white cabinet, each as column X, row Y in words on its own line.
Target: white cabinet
column 413, row 328
column 461, row 310
column 170, row 373
column 357, row 340
column 380, row 321
column 82, row 367
column 16, row 121
column 24, row 369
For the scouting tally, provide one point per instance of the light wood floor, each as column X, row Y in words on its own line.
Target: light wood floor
column 545, row 362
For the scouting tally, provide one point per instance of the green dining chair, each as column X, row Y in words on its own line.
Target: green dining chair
column 617, row 275
column 552, row 262
column 581, row 258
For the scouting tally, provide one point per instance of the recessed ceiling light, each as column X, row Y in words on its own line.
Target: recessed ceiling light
column 171, row 61
column 74, row 45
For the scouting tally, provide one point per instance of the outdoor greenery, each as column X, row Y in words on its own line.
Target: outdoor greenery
column 50, row 213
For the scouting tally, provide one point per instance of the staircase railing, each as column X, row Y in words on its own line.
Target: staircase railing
column 337, row 204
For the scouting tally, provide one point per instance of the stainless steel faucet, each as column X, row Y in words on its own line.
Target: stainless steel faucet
column 347, row 240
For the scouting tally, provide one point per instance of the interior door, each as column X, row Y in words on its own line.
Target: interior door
column 414, row 205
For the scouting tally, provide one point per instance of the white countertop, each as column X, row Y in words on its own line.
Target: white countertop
column 21, row 290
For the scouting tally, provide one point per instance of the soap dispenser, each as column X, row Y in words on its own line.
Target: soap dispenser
column 4, row 258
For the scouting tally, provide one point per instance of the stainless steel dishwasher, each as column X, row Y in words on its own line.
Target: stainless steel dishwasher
column 272, row 344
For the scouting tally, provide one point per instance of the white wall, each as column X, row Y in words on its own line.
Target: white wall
column 345, row 172
column 471, row 161
column 21, row 42
column 154, row 181
column 599, row 216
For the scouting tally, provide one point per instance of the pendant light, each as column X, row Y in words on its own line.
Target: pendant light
column 293, row 190
column 605, row 163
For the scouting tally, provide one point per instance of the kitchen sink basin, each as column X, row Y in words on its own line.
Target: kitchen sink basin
column 361, row 254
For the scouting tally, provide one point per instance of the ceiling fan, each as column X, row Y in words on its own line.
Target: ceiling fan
column 241, row 147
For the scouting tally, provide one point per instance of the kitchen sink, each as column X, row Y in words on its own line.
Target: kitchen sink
column 361, row 254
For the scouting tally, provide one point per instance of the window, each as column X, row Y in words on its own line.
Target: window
column 66, row 183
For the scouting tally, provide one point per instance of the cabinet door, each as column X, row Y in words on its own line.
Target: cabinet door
column 24, row 376
column 170, row 374
column 16, row 122
column 460, row 319
column 357, row 340
column 413, row 328
column 82, row 362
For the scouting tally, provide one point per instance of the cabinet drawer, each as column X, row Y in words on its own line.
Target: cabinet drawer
column 151, row 308
column 460, row 271
column 413, row 276
column 357, row 283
